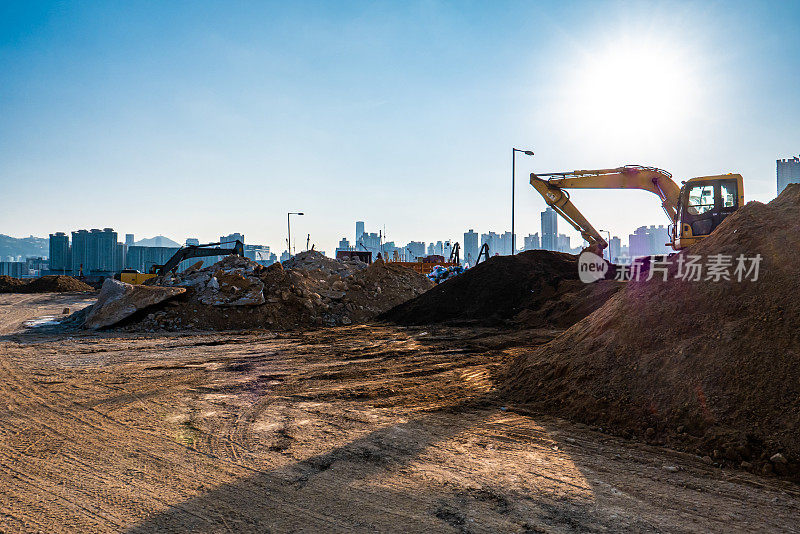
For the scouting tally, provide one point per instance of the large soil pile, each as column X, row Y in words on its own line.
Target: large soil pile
column 710, row 366
column 238, row 293
column 44, row 284
column 535, row 288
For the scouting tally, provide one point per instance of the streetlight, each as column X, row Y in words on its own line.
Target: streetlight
column 289, row 226
column 609, row 243
column 513, row 168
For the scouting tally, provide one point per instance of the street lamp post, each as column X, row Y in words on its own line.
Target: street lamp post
column 513, row 169
column 289, row 227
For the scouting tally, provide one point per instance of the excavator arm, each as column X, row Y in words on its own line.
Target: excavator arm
column 553, row 190
column 197, row 251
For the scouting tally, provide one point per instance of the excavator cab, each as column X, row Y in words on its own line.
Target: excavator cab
column 703, row 204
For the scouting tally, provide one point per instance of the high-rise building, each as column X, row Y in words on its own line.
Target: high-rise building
column 143, row 258
column 344, row 244
column 562, row 243
column 470, row 247
column 415, row 249
column 96, row 252
column 129, row 240
column 492, row 241
column 359, row 231
column 506, row 244
column 60, row 257
column 15, row 269
column 192, row 241
column 614, row 249
column 531, row 242
column 549, row 229
column 231, row 238
column 788, row 171
column 648, row 241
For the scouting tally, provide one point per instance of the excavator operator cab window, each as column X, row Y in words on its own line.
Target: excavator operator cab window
column 701, row 199
column 728, row 194
column 707, row 204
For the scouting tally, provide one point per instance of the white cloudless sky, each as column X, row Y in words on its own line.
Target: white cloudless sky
column 199, row 119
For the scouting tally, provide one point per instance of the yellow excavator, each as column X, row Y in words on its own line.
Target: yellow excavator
column 695, row 209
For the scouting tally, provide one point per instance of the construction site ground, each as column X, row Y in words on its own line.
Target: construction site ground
column 348, row 429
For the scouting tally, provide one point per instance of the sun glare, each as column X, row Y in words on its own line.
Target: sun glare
column 627, row 90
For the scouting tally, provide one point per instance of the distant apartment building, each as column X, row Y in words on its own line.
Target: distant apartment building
column 446, row 249
column 60, row 253
column 143, row 258
column 129, row 240
column 16, row 269
column 96, row 252
column 492, row 242
column 415, row 249
column 788, row 171
column 648, row 241
column 614, row 248
column 549, row 229
column 563, row 243
column 531, row 242
column 231, row 238
column 37, row 266
column 192, row 241
column 344, row 244
column 259, row 254
column 470, row 247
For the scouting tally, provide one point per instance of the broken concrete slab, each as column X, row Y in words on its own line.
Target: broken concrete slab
column 118, row 300
column 235, row 287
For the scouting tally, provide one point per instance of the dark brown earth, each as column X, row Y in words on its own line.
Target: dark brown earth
column 535, row 288
column 348, row 429
column 710, row 367
column 45, row 284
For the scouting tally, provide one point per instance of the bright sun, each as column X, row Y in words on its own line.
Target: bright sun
column 628, row 89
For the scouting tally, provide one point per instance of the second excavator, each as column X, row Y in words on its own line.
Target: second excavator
column 695, row 209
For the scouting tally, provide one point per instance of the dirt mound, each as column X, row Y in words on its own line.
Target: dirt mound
column 237, row 293
column 44, row 284
column 311, row 260
column 536, row 287
column 708, row 366
column 9, row 284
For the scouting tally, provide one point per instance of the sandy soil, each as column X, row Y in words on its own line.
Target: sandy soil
column 354, row 429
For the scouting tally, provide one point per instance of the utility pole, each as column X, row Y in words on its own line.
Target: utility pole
column 513, row 188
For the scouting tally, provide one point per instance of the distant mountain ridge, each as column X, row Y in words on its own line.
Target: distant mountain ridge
column 157, row 241
column 23, row 246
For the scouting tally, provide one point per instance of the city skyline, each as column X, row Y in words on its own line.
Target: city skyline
column 367, row 107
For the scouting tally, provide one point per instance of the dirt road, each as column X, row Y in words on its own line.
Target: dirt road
column 361, row 429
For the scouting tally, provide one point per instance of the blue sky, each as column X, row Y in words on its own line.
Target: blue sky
column 198, row 119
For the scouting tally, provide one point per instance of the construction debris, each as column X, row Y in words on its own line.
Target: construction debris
column 118, row 301
column 710, row 366
column 45, row 284
column 237, row 293
column 441, row 273
column 311, row 260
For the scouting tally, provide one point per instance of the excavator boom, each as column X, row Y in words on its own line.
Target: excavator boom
column 553, row 190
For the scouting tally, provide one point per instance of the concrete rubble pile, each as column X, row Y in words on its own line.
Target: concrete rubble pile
column 238, row 293
column 311, row 260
